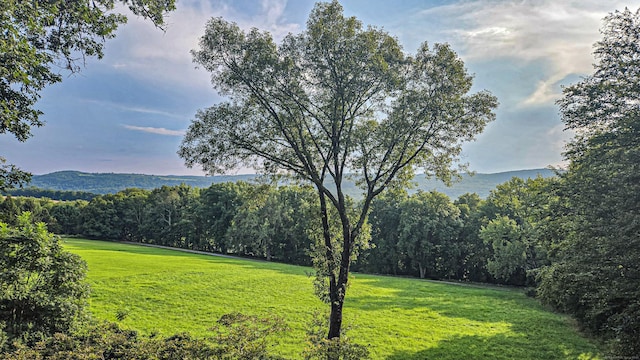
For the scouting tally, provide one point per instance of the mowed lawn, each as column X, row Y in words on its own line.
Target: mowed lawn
column 169, row 291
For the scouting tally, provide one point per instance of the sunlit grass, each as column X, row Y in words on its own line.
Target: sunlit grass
column 170, row 291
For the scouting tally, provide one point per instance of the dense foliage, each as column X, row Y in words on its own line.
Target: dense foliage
column 423, row 234
column 596, row 276
column 42, row 289
column 51, row 194
column 235, row 336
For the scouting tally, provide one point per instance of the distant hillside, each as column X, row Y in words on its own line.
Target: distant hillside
column 105, row 183
column 480, row 184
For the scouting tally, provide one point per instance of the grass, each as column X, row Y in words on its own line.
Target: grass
column 171, row 291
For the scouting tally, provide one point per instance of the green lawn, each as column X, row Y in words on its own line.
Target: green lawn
column 171, row 291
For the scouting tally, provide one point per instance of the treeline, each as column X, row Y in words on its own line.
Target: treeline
column 63, row 195
column 110, row 183
column 235, row 218
column 424, row 234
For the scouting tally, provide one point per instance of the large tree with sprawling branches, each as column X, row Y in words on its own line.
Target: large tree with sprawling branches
column 336, row 101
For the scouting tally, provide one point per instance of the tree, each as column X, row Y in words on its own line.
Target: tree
column 332, row 102
column 100, row 219
column 474, row 252
column 9, row 210
column 41, row 37
column 218, row 205
column 68, row 217
column 428, row 234
column 42, row 289
column 274, row 223
column 131, row 209
column 596, row 276
column 168, row 214
column 519, row 225
column 505, row 238
column 383, row 256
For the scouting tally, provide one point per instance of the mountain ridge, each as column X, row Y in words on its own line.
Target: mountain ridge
column 105, row 183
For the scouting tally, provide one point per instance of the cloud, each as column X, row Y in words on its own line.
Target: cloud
column 560, row 33
column 137, row 109
column 559, row 137
column 154, row 130
column 164, row 58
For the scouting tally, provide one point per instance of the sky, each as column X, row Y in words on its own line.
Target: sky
column 128, row 112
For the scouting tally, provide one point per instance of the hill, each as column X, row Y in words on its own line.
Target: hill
column 108, row 183
column 104, row 183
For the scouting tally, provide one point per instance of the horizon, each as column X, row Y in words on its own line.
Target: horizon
column 258, row 174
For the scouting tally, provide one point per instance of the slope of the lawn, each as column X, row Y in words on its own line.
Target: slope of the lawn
column 171, row 291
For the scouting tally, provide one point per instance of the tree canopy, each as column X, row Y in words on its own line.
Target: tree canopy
column 42, row 38
column 602, row 189
column 335, row 101
column 42, row 286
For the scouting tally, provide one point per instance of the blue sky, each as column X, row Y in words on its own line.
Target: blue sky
column 128, row 111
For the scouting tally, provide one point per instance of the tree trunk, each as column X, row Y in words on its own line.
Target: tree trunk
column 423, row 271
column 335, row 319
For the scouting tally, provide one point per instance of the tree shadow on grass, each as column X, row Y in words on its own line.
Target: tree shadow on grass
column 531, row 326
column 472, row 302
column 496, row 347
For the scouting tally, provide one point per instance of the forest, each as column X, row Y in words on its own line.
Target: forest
column 424, row 234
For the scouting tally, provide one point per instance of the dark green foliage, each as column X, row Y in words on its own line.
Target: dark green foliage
column 40, row 209
column 107, row 341
column 428, row 234
column 384, row 257
column 596, row 275
column 52, row 194
column 236, row 336
column 275, row 223
column 42, row 286
column 216, row 209
column 167, row 216
column 519, row 224
column 475, row 253
column 9, row 210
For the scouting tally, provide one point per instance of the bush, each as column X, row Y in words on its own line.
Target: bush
column 42, row 288
column 321, row 348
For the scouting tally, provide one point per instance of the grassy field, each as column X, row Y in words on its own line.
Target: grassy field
column 170, row 291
